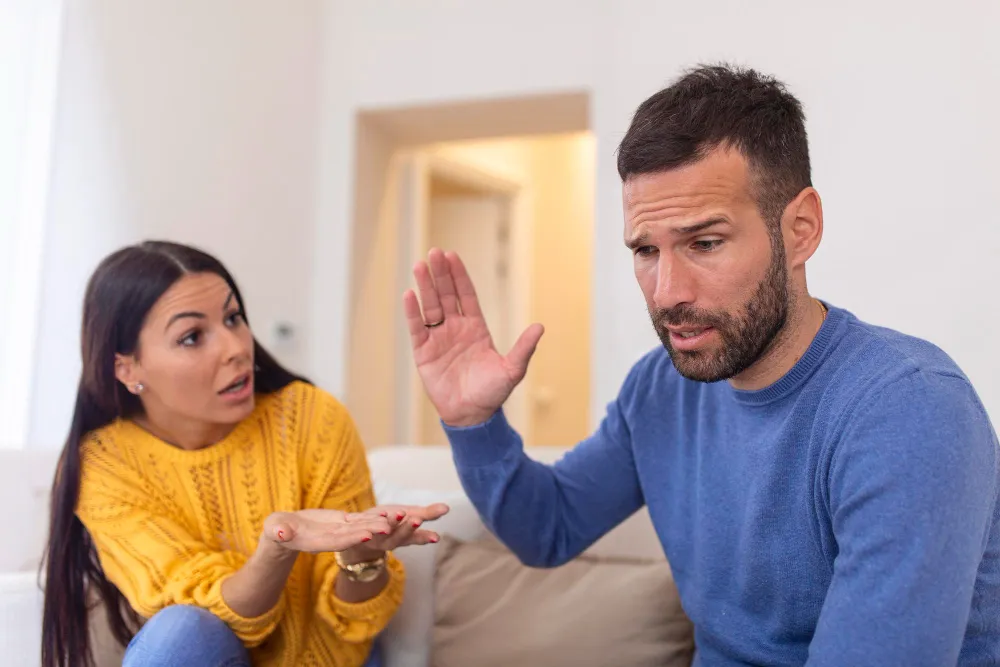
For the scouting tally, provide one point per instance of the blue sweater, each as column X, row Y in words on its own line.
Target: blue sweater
column 846, row 515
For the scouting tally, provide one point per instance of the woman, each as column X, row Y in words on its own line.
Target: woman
column 206, row 493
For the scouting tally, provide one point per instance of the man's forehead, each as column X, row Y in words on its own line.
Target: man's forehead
column 718, row 173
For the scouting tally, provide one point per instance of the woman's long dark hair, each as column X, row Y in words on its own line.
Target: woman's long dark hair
column 119, row 295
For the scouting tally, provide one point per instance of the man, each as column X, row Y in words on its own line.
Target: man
column 826, row 491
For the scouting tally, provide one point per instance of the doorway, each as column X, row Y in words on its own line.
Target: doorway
column 471, row 214
column 517, row 206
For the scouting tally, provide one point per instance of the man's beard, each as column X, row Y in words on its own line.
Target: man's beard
column 744, row 339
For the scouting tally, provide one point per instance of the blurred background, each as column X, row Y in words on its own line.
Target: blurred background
column 319, row 148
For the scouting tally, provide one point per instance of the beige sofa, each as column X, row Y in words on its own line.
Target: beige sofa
column 468, row 600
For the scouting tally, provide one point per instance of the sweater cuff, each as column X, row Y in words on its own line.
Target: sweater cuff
column 357, row 622
column 483, row 444
column 251, row 631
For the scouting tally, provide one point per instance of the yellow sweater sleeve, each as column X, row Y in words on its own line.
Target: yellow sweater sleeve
column 150, row 557
column 347, row 486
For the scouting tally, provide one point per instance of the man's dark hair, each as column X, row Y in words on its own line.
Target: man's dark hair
column 712, row 106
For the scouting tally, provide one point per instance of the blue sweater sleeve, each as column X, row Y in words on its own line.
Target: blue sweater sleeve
column 912, row 489
column 547, row 515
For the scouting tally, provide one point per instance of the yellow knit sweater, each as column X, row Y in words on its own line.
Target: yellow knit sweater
column 169, row 525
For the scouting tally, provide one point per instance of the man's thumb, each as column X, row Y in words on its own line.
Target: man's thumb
column 520, row 354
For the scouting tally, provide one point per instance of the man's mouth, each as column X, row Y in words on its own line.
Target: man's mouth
column 689, row 338
column 689, row 333
column 688, row 330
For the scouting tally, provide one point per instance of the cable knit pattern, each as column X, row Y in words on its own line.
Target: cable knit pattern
column 170, row 525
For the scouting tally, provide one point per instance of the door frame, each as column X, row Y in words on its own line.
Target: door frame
column 415, row 170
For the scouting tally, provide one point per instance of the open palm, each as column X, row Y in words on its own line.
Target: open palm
column 381, row 528
column 323, row 530
column 465, row 376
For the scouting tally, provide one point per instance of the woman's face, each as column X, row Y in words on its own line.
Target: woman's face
column 194, row 358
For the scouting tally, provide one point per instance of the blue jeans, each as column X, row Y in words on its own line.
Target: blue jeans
column 185, row 636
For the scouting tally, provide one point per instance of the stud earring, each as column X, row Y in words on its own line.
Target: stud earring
column 139, row 387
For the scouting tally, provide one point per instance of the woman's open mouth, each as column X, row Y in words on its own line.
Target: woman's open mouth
column 240, row 389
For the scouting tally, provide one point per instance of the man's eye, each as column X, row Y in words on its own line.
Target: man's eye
column 707, row 245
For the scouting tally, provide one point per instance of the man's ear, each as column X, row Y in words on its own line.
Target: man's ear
column 803, row 226
column 127, row 371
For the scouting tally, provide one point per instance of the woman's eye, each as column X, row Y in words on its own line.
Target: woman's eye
column 234, row 318
column 190, row 340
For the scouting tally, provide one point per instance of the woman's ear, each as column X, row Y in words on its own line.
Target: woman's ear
column 126, row 371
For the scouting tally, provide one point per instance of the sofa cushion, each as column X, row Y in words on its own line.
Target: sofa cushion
column 25, row 482
column 21, row 618
column 493, row 610
column 406, row 641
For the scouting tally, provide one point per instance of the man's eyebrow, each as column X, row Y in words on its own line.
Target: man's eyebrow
column 642, row 238
column 701, row 226
column 637, row 241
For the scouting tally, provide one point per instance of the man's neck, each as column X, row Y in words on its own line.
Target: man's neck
column 805, row 318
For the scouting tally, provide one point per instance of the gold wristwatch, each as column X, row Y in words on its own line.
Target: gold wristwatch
column 363, row 572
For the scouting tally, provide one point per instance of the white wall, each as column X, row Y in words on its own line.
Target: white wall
column 201, row 123
column 29, row 56
column 195, row 122
column 901, row 100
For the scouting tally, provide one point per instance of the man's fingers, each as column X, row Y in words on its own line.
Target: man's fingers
column 467, row 298
column 428, row 294
column 443, row 281
column 414, row 320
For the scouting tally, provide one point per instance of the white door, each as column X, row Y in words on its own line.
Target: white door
column 477, row 227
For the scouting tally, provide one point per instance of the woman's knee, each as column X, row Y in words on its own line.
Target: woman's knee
column 185, row 635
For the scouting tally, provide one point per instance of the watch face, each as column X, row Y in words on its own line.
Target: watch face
column 368, row 575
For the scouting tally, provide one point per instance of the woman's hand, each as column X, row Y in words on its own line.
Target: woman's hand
column 318, row 531
column 406, row 523
column 361, row 535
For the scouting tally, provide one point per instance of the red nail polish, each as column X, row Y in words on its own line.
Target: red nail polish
column 434, row 540
column 365, row 539
column 399, row 517
column 383, row 514
column 384, row 532
column 281, row 535
column 416, row 524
